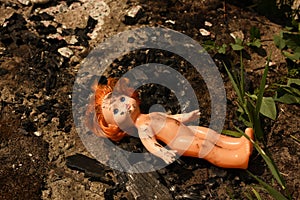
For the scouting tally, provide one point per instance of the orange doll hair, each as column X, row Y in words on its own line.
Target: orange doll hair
column 95, row 120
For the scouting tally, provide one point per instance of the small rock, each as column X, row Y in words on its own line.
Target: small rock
column 173, row 188
column 170, row 21
column 39, row 1
column 24, row 2
column 65, row 51
column 74, row 59
column 271, row 63
column 37, row 133
column 204, row 32
column 237, row 34
column 206, row 23
column 72, row 19
column 6, row 13
column 73, row 40
column 133, row 15
column 211, row 183
column 28, row 2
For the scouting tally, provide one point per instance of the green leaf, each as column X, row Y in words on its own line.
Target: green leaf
column 292, row 40
column 232, row 133
column 274, row 193
column 249, row 196
column 261, row 89
column 279, row 42
column 234, row 84
column 254, row 33
column 252, row 96
column 237, row 47
column 289, row 94
column 256, row 43
column 293, row 81
column 269, row 161
column 292, row 56
column 242, row 81
column 271, row 165
column 222, row 49
column 257, row 124
column 268, row 108
column 288, row 99
column 289, row 89
column 245, row 121
column 256, row 194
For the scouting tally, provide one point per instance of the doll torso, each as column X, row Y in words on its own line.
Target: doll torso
column 164, row 127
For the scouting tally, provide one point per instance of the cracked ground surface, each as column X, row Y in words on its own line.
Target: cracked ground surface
column 42, row 46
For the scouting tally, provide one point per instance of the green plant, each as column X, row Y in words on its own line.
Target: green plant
column 249, row 105
column 254, row 37
column 239, row 44
column 254, row 40
column 210, row 45
column 251, row 109
column 289, row 93
column 288, row 41
column 277, row 195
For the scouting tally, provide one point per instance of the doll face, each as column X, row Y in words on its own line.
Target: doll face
column 119, row 110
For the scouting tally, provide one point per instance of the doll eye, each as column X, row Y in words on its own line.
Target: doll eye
column 116, row 110
column 122, row 99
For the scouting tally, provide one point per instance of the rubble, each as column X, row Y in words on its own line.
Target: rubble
column 42, row 44
column 209, row 24
column 237, row 34
column 133, row 14
column 74, row 18
column 204, row 32
column 5, row 14
column 66, row 52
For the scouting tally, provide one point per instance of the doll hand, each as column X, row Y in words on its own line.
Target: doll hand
column 168, row 156
column 187, row 117
column 192, row 116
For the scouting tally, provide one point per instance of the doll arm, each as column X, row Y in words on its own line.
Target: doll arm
column 148, row 139
column 187, row 117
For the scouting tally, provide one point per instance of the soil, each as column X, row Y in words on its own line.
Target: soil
column 42, row 46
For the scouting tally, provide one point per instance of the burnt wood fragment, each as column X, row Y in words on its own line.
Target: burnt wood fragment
column 91, row 168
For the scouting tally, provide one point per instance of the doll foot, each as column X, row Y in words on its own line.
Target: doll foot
column 237, row 157
column 249, row 146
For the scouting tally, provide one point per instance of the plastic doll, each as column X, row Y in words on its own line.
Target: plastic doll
column 119, row 113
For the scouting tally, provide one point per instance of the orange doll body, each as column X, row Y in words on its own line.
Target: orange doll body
column 116, row 113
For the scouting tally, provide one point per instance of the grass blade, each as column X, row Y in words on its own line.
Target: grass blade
column 242, row 81
column 257, row 124
column 232, row 133
column 270, row 163
column 249, row 196
column 262, row 89
column 274, row 193
column 256, row 194
column 235, row 86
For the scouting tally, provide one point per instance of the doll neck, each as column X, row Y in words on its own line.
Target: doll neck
column 141, row 119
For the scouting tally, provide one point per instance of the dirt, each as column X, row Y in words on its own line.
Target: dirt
column 37, row 72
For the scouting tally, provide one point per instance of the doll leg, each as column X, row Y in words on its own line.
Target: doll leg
column 188, row 145
column 221, row 140
column 237, row 158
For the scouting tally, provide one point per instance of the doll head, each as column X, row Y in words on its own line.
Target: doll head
column 98, row 119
